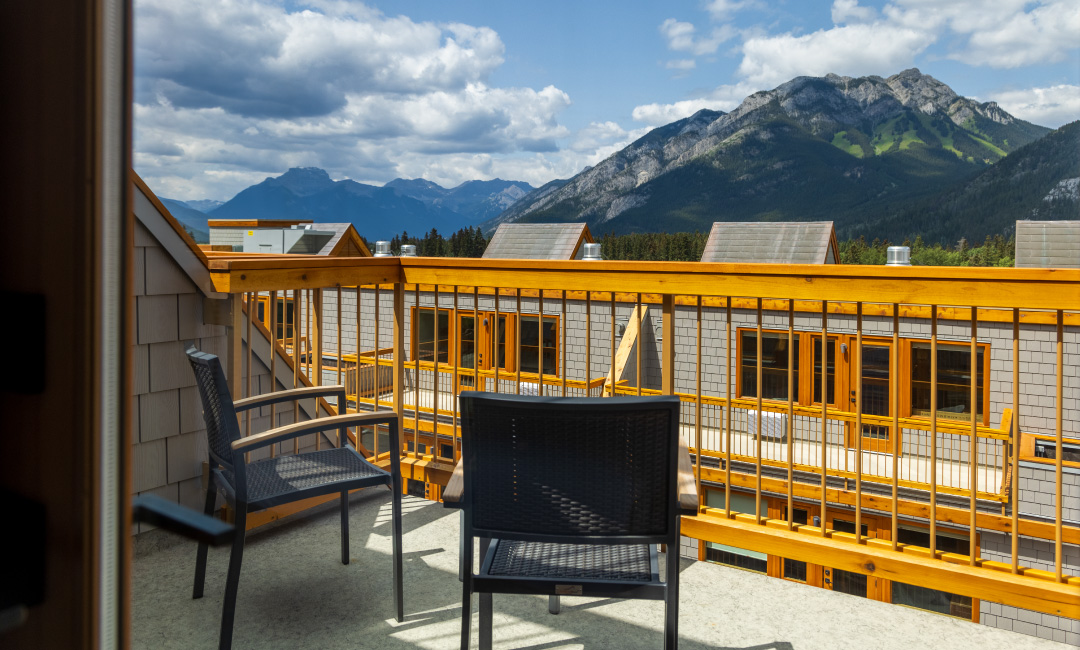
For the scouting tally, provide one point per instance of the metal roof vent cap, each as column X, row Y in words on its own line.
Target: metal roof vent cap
column 592, row 253
column 898, row 256
column 408, row 250
column 382, row 248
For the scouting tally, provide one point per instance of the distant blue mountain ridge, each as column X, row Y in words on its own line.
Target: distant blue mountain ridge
column 415, row 206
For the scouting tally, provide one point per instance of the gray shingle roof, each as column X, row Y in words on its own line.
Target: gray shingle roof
column 1048, row 244
column 793, row 242
column 537, row 241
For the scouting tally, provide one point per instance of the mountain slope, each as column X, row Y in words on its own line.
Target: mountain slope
column 840, row 148
column 1038, row 181
column 193, row 220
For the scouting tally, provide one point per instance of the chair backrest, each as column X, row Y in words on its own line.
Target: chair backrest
column 221, row 425
column 583, row 470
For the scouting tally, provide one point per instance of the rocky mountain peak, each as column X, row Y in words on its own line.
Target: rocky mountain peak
column 920, row 91
column 304, row 181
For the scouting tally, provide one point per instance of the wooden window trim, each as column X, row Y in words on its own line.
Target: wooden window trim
column 451, row 334
column 798, row 393
column 520, row 345
column 906, row 345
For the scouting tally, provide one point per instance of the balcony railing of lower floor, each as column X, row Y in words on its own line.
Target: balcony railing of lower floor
column 911, row 470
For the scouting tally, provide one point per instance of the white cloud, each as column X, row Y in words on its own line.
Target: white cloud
column 682, row 37
column 723, row 98
column 851, row 50
column 1052, row 106
column 1043, row 35
column 849, row 11
column 232, row 91
column 682, row 65
column 724, row 9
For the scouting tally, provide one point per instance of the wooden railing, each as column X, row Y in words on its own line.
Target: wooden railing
column 910, row 466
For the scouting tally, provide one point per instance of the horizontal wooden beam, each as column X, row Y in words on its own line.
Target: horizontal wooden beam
column 841, row 552
column 912, row 509
column 917, row 285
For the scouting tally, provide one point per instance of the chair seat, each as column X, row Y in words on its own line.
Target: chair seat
column 622, row 563
column 277, row 479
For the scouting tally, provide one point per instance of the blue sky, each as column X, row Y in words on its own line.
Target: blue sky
column 229, row 92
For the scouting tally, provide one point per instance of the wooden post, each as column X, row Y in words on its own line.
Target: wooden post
column 667, row 353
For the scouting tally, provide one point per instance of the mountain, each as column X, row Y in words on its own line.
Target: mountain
column 851, row 150
column 204, row 205
column 193, row 220
column 416, row 205
column 477, row 200
column 1038, row 181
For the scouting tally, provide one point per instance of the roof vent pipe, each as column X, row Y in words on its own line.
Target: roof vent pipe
column 382, row 248
column 408, row 250
column 592, row 253
column 898, row 256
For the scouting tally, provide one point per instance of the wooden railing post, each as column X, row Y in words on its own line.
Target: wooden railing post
column 399, row 352
column 667, row 352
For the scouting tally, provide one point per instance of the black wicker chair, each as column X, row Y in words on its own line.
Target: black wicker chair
column 570, row 496
column 261, row 484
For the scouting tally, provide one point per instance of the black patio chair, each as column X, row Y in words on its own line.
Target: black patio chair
column 260, row 484
column 570, row 496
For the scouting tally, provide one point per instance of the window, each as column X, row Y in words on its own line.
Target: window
column 424, row 333
column 538, row 342
column 774, row 365
column 1048, row 449
column 876, row 371
column 730, row 555
column 446, row 450
column 933, row 600
column 830, row 370
column 953, row 380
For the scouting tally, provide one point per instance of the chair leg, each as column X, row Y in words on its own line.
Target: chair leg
column 554, row 605
column 344, row 526
column 671, row 602
column 200, row 555
column 232, row 582
column 486, row 616
column 466, row 592
column 399, row 598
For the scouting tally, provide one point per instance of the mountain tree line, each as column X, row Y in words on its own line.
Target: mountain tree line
column 654, row 246
column 467, row 242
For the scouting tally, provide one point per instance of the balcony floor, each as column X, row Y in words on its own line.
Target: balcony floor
column 295, row 593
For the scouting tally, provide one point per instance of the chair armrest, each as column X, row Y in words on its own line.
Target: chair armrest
column 455, row 487
column 288, row 396
column 291, row 431
column 184, row 521
column 688, row 496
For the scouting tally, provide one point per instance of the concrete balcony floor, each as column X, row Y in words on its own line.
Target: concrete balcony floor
column 295, row 593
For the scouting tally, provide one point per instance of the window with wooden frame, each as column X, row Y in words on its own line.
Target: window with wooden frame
column 424, row 331
column 830, row 369
column 539, row 343
column 284, row 316
column 774, row 364
column 934, row 600
column 730, row 555
column 953, row 380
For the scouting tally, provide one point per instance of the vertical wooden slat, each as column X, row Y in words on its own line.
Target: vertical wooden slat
column 273, row 364
column 588, row 341
column 247, row 377
column 667, row 352
column 435, row 377
column 375, row 381
column 638, row 379
column 727, row 418
column 296, row 361
column 791, row 414
column 697, row 390
column 973, row 441
column 476, row 342
column 1015, row 439
column 858, row 421
column 1059, row 399
column 517, row 343
column 454, row 349
column 613, row 377
column 359, row 320
column 933, row 432
column 894, row 382
column 562, row 366
column 317, row 334
column 540, row 340
column 495, row 361
column 415, row 349
column 824, row 408
column 399, row 355
column 310, row 335
column 337, row 374
column 757, row 432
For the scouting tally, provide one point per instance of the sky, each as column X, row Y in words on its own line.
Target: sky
column 229, row 92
